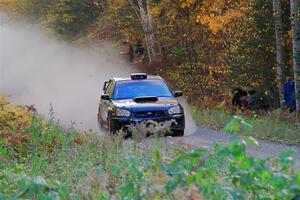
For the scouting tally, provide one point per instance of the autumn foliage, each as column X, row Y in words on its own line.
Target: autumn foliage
column 14, row 120
column 204, row 47
column 22, row 129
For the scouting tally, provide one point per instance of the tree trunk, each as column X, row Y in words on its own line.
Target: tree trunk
column 280, row 49
column 143, row 12
column 147, row 27
column 295, row 8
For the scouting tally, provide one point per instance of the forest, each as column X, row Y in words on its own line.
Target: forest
column 208, row 48
column 238, row 64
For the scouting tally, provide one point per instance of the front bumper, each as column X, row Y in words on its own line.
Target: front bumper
column 122, row 123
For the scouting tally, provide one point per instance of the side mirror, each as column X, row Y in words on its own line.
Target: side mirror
column 105, row 86
column 178, row 93
column 105, row 97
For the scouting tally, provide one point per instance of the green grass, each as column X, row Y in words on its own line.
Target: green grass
column 270, row 126
column 60, row 164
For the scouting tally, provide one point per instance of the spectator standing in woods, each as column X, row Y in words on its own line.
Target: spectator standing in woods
column 139, row 50
column 289, row 95
column 239, row 99
column 128, row 51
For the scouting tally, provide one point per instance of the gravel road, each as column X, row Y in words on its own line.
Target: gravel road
column 204, row 137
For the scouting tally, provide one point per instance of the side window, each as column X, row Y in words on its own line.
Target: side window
column 105, row 86
column 109, row 88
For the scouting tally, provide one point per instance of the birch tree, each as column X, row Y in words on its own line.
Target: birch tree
column 295, row 10
column 143, row 12
column 280, row 49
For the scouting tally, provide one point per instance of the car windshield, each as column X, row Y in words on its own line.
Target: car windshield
column 140, row 88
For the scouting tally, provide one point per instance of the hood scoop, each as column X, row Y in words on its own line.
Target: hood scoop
column 147, row 99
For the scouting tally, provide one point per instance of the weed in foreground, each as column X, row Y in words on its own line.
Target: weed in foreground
column 55, row 164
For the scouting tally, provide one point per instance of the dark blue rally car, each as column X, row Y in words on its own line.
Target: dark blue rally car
column 127, row 101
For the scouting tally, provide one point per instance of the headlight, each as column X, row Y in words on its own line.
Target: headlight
column 122, row 113
column 174, row 110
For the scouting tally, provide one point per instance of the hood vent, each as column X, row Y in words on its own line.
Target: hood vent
column 145, row 99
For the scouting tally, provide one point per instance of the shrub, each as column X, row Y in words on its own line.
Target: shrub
column 219, row 173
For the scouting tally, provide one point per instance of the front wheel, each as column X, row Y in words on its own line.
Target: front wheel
column 110, row 124
column 100, row 125
column 100, row 121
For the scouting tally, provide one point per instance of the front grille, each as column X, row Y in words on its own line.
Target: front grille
column 149, row 114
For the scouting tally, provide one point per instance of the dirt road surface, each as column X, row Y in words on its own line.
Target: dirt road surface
column 204, row 137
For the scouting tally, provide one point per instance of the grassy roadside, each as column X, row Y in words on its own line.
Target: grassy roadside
column 274, row 126
column 42, row 160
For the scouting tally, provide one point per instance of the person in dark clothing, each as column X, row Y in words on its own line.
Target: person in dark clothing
column 238, row 100
column 131, row 52
column 253, row 99
column 289, row 95
column 128, row 50
column 139, row 51
column 258, row 100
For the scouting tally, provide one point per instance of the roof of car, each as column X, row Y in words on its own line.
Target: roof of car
column 149, row 77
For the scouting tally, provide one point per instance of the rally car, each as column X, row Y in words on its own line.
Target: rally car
column 127, row 101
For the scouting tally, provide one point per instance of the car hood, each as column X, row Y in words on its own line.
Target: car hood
column 161, row 104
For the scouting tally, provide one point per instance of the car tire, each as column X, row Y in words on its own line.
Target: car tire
column 178, row 133
column 110, row 125
column 100, row 121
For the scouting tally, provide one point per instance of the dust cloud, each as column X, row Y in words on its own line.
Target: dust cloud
column 36, row 69
column 40, row 70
